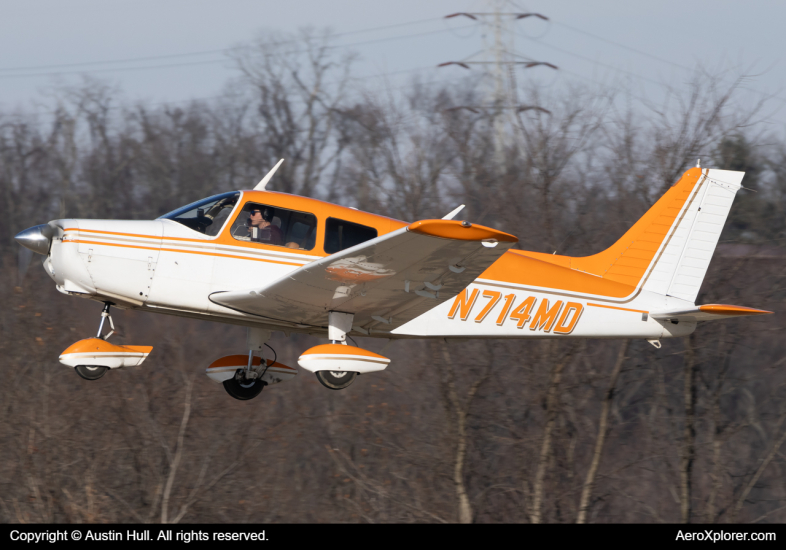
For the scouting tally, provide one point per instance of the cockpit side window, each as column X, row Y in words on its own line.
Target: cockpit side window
column 276, row 226
column 206, row 216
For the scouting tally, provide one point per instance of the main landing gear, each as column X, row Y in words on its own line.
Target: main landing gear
column 336, row 365
column 243, row 388
column 244, row 377
column 247, row 383
column 334, row 379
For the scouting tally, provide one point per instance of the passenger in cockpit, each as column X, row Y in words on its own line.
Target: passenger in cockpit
column 260, row 227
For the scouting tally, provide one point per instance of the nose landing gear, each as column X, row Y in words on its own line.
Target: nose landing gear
column 94, row 372
column 91, row 358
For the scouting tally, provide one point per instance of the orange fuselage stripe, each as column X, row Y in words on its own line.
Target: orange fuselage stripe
column 183, row 251
column 159, row 237
column 213, row 242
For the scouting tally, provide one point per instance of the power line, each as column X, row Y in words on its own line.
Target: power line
column 211, row 62
column 589, row 59
column 645, row 54
column 636, row 75
column 639, row 52
column 209, row 98
column 623, row 46
column 203, row 52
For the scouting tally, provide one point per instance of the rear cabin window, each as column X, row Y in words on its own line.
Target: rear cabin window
column 275, row 226
column 340, row 235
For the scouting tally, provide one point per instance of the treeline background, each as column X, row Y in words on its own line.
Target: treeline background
column 474, row 431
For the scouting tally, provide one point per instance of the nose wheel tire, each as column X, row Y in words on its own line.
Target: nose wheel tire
column 90, row 372
column 335, row 380
column 244, row 389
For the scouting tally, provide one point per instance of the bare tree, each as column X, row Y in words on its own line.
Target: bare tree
column 300, row 88
column 600, row 440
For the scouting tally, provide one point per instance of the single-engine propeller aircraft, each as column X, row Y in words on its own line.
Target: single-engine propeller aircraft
column 277, row 262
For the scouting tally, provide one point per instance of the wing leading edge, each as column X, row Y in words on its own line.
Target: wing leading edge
column 384, row 282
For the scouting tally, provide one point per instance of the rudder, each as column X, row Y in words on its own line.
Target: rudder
column 680, row 267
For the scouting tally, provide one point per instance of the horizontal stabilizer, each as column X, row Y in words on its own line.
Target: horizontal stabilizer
column 709, row 312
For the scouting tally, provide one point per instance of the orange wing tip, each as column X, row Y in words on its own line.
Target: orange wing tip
column 453, row 229
column 724, row 309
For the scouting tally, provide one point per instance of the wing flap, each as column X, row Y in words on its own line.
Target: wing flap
column 384, row 282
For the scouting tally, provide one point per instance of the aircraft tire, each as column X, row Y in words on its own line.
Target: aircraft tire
column 90, row 372
column 335, row 380
column 244, row 390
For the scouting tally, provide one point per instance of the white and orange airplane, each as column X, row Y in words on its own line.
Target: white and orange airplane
column 277, row 262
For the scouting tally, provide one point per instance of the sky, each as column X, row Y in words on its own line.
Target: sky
column 177, row 47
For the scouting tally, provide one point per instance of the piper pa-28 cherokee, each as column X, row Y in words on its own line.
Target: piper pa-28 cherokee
column 273, row 261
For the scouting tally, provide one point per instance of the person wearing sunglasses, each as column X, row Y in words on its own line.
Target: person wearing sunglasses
column 261, row 228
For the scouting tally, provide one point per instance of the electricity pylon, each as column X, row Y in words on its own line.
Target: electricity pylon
column 499, row 58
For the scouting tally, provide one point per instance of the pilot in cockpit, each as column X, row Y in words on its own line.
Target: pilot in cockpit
column 260, row 227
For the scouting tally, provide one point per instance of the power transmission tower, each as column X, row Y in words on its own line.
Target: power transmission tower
column 499, row 58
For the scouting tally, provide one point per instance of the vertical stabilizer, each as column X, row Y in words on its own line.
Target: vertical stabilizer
column 668, row 250
column 685, row 255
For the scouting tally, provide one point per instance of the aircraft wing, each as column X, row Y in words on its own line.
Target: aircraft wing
column 384, row 282
column 709, row 312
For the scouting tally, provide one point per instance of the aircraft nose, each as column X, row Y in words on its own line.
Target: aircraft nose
column 37, row 238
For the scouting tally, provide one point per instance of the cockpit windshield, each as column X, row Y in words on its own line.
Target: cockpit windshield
column 207, row 215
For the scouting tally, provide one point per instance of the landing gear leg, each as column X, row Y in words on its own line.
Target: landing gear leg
column 248, row 383
column 94, row 372
column 104, row 316
column 338, row 325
